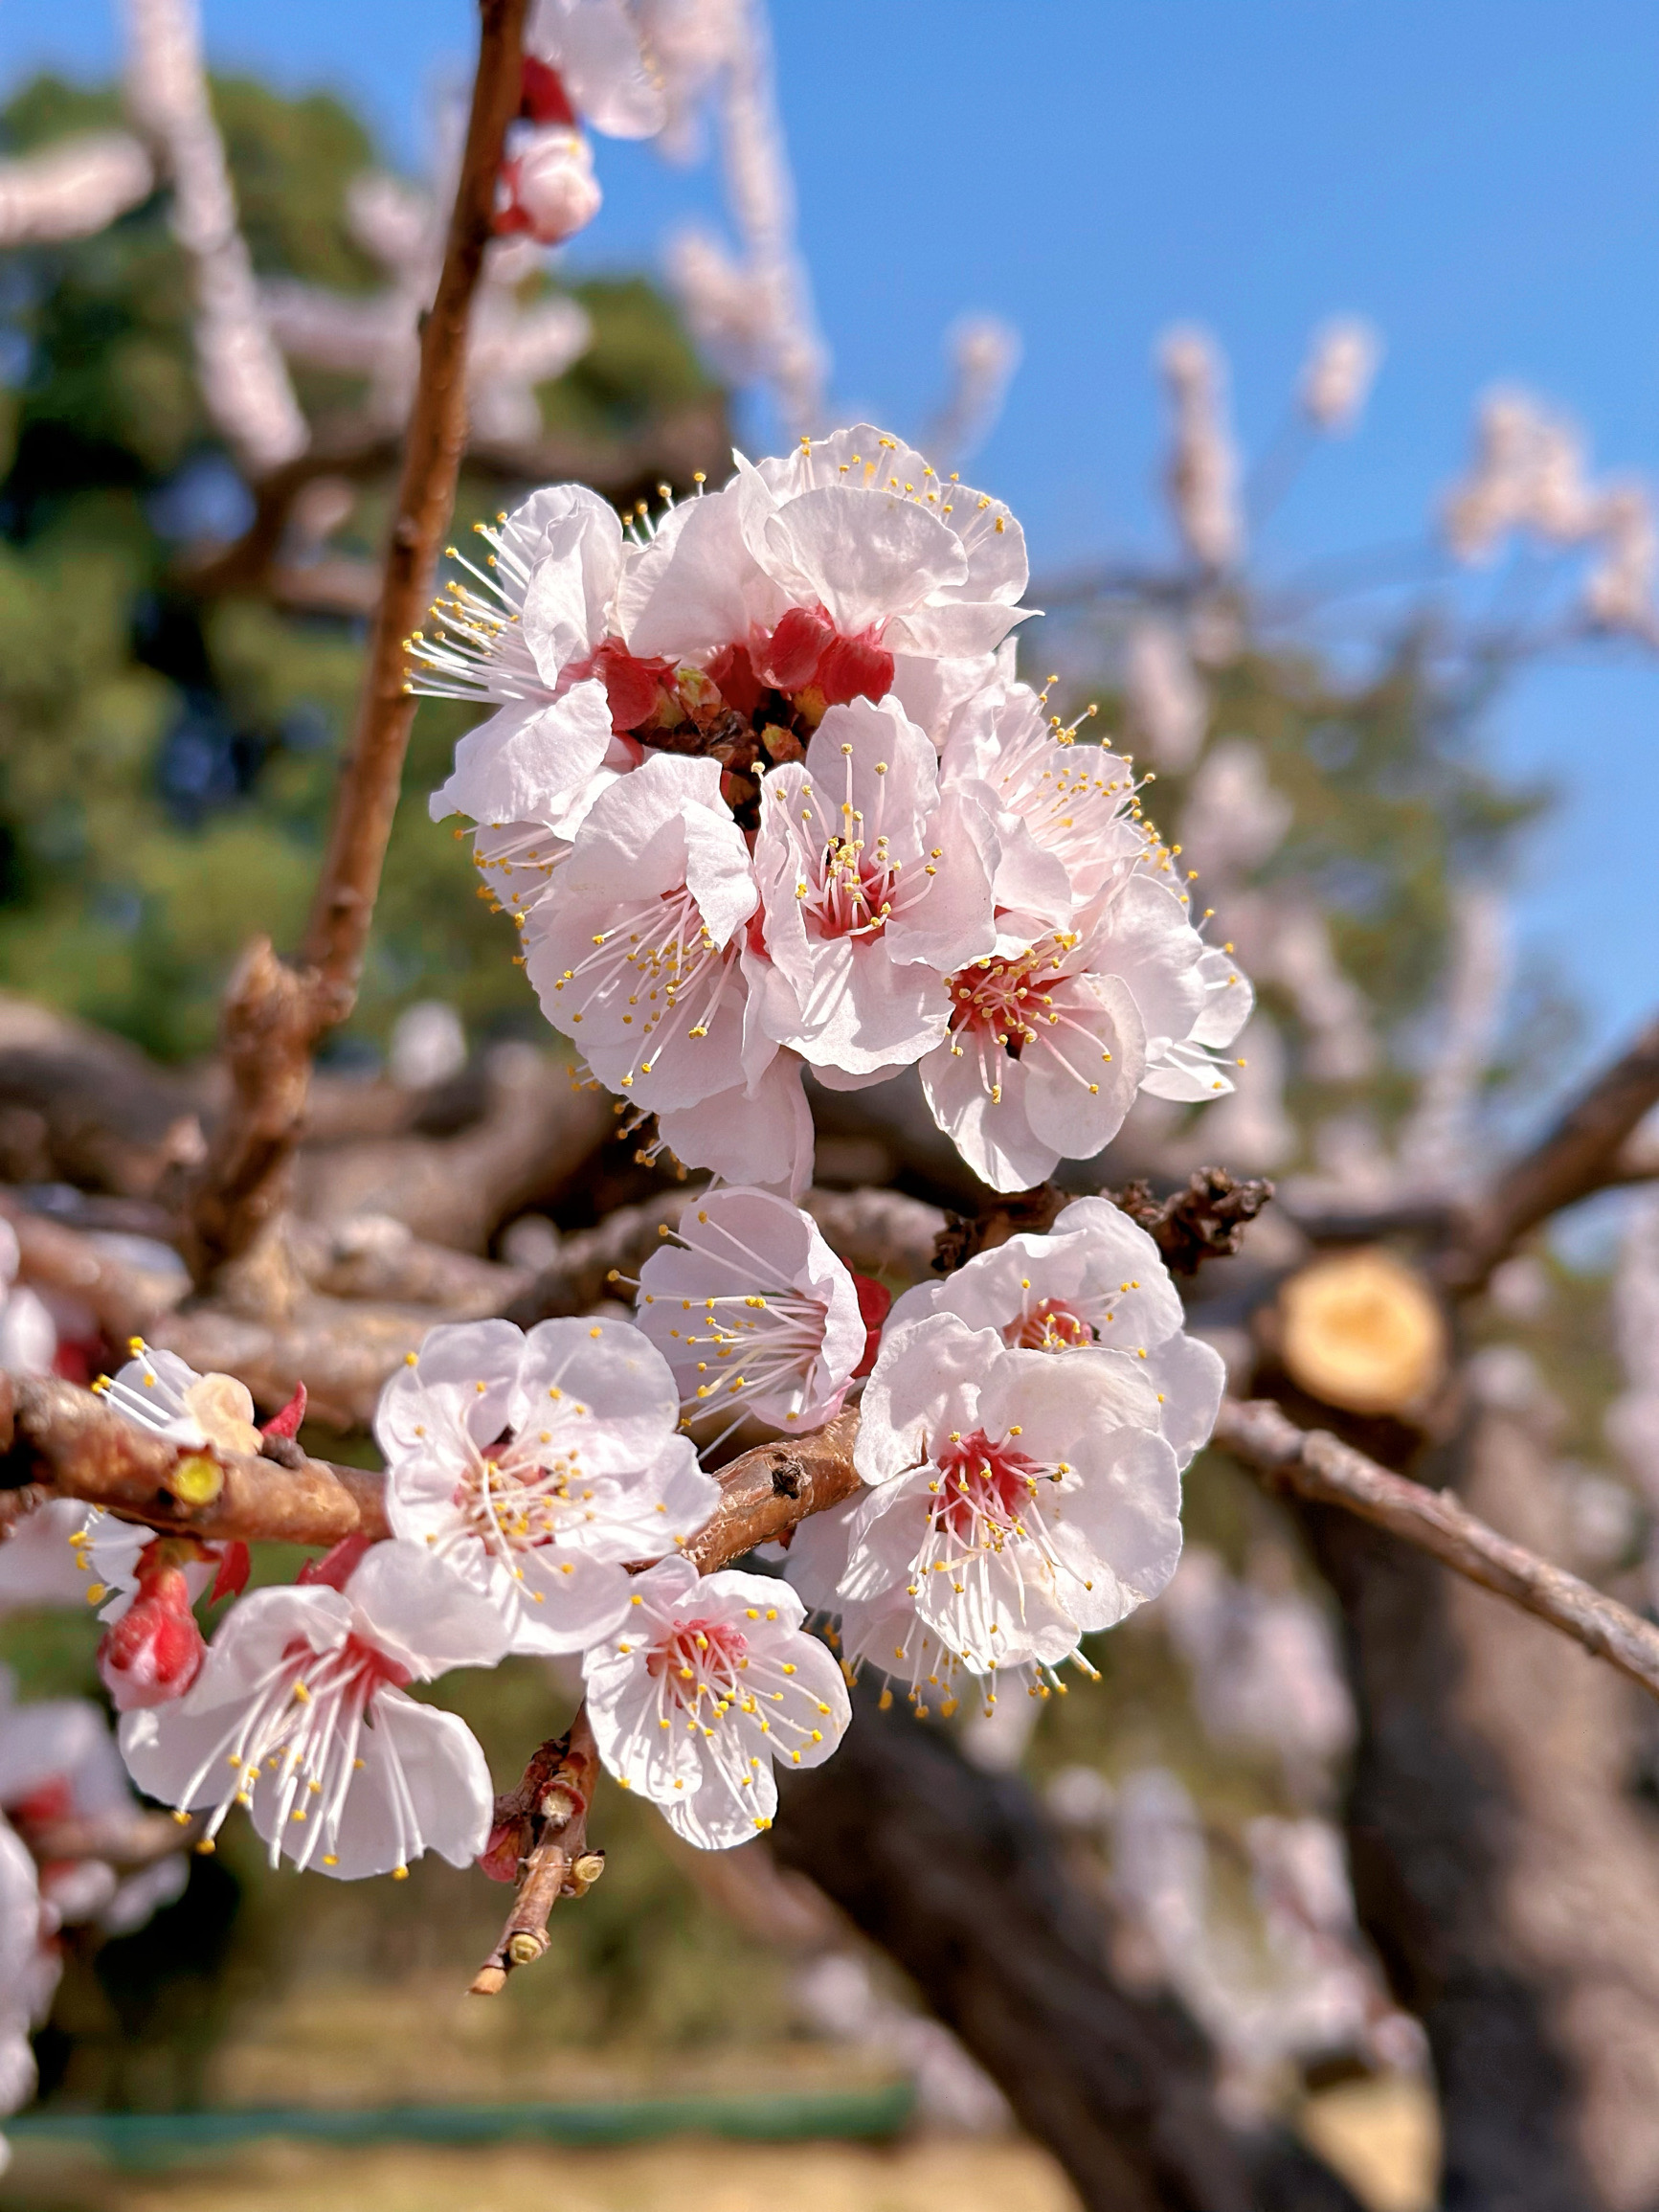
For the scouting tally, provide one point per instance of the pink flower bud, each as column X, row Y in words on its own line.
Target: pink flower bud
column 154, row 1652
column 551, row 186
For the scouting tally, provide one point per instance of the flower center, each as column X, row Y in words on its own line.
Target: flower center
column 697, row 1660
column 1001, row 999
column 1051, row 1325
column 651, row 968
column 985, row 1491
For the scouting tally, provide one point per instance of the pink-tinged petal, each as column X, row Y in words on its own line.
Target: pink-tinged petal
column 1084, row 1070
column 925, row 1383
column 573, row 576
column 412, row 1606
column 444, row 1384
column 760, row 1134
column 696, row 588
column 1145, row 939
column 1189, row 1377
column 530, row 760
column 423, row 1786
column 1120, row 1531
column 568, row 1602
column 976, row 1094
column 1060, row 1406
column 864, row 556
column 1228, row 1003
column 601, row 1386
column 953, row 924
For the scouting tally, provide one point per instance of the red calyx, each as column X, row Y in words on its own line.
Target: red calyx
column 632, row 687
column 854, row 668
column 154, row 1652
column 874, row 1299
column 231, row 1579
column 733, row 674
column 545, row 98
column 806, row 651
column 336, row 1567
column 508, row 1841
column 791, row 657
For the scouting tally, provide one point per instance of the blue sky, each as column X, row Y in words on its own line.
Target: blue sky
column 1481, row 180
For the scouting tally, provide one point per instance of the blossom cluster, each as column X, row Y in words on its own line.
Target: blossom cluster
column 764, row 797
column 1022, row 1425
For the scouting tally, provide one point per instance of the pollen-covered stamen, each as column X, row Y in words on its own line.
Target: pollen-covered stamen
column 1005, row 1005
column 984, row 1492
column 656, row 971
column 478, row 651
column 296, row 1739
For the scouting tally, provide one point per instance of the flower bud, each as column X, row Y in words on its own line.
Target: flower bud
column 551, row 189
column 154, row 1652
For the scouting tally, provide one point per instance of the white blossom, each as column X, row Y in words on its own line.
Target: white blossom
column 72, row 189
column 1338, row 375
column 535, row 1466
column 872, row 880
column 752, row 1311
column 1204, row 466
column 300, row 1714
column 28, row 1333
column 709, row 1682
column 1095, row 1279
column 1021, row 1500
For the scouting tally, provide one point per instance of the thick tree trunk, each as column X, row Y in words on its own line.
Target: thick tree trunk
column 960, row 1878
column 1500, row 1864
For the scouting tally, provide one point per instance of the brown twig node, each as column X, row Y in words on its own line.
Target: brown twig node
column 1205, row 1221
column 544, row 1825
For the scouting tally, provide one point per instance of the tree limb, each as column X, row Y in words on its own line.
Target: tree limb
column 1320, row 1468
column 273, row 1015
column 1581, row 1155
column 544, row 1820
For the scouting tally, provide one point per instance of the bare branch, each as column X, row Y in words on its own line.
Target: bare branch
column 1581, row 1155
column 765, row 1492
column 1319, row 1467
column 546, row 1818
column 271, row 1025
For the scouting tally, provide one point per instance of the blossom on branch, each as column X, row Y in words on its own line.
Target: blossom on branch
column 300, row 1714
column 753, row 1313
column 535, row 1466
column 710, row 1681
column 1019, row 1500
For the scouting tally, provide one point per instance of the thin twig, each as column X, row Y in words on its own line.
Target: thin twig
column 1319, row 1467
column 1580, row 1154
column 273, row 1015
column 546, row 1818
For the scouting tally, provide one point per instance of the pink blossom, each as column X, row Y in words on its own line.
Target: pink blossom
column 709, row 1682
column 535, row 1466
column 753, row 1313
column 300, row 1714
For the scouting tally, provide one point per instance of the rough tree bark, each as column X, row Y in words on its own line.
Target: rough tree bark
column 958, row 1876
column 1500, row 1867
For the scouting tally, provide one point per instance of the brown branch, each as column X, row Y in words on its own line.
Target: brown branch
column 1320, row 1468
column 273, row 1015
column 67, row 1438
column 765, row 1492
column 1581, row 1155
column 434, row 442
column 546, row 1818
column 1206, row 1220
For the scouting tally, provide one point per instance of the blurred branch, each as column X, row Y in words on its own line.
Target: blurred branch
column 671, row 450
column 273, row 1015
column 1325, row 1471
column 1580, row 1155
